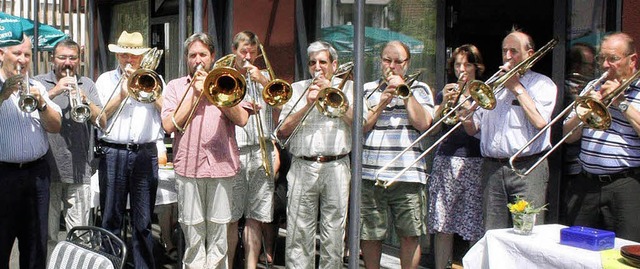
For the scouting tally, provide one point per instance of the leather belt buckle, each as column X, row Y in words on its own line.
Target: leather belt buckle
column 132, row 147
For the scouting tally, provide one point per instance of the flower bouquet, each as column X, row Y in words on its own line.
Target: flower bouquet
column 524, row 215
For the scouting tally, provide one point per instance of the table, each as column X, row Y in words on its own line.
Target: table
column 166, row 193
column 502, row 248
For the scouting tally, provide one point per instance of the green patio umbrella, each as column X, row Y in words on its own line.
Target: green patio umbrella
column 48, row 35
column 341, row 37
column 10, row 30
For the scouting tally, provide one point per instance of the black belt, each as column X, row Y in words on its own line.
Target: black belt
column 128, row 146
column 25, row 165
column 323, row 159
column 519, row 159
column 612, row 177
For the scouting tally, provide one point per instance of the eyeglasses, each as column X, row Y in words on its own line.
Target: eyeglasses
column 600, row 59
column 314, row 62
column 396, row 61
column 66, row 57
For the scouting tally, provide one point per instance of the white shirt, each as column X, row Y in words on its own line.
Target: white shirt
column 248, row 135
column 319, row 135
column 137, row 123
column 23, row 137
column 506, row 129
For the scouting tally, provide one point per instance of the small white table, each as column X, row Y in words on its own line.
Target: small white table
column 502, row 248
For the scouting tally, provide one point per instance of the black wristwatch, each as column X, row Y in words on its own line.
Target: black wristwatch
column 43, row 108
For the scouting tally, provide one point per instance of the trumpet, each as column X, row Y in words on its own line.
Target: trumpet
column 278, row 91
column 79, row 111
column 27, row 102
column 588, row 88
column 264, row 154
column 483, row 94
column 144, row 86
column 330, row 102
column 223, row 87
column 448, row 106
column 403, row 91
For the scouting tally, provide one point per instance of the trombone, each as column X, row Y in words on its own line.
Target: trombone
column 482, row 93
column 223, row 87
column 79, row 111
column 264, row 154
column 331, row 102
column 278, row 91
column 587, row 89
column 144, row 86
column 27, row 102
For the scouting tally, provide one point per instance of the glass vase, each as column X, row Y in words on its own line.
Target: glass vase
column 523, row 223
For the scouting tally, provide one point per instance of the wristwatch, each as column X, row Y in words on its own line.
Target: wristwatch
column 623, row 106
column 43, row 108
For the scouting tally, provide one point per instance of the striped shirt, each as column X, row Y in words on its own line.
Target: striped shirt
column 615, row 149
column 248, row 135
column 319, row 135
column 137, row 123
column 23, row 136
column 391, row 134
column 505, row 129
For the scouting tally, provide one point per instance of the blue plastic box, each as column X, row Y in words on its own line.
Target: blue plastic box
column 587, row 238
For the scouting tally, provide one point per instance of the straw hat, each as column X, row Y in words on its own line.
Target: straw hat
column 129, row 43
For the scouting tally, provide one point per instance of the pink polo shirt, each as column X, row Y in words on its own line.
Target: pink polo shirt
column 208, row 147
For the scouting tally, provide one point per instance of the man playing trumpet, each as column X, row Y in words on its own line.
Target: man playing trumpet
column 72, row 159
column 24, row 195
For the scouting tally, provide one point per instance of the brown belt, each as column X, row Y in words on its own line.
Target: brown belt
column 323, row 159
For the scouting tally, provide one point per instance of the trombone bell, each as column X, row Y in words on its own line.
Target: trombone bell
column 277, row 92
column 593, row 113
column 332, row 103
column 225, row 87
column 145, row 85
column 482, row 94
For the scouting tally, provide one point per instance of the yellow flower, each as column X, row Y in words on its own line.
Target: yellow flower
column 521, row 205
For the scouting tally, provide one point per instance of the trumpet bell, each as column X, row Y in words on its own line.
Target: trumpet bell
column 277, row 92
column 482, row 94
column 28, row 103
column 145, row 85
column 332, row 103
column 80, row 113
column 224, row 87
column 593, row 113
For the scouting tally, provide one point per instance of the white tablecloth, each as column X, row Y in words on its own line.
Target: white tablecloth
column 166, row 193
column 502, row 248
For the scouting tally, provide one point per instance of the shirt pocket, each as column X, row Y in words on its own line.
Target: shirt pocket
column 517, row 118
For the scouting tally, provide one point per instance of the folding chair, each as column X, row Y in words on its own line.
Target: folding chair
column 88, row 248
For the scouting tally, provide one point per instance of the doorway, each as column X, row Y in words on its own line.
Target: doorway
column 486, row 23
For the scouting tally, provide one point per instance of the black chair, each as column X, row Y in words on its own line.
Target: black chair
column 89, row 247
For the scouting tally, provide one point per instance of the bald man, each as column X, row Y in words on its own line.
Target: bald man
column 524, row 106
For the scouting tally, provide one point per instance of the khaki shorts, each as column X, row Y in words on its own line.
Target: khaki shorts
column 405, row 201
column 252, row 190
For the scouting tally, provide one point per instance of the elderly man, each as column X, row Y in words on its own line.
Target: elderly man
column 72, row 151
column 523, row 107
column 319, row 175
column 607, row 196
column 129, row 166
column 24, row 195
